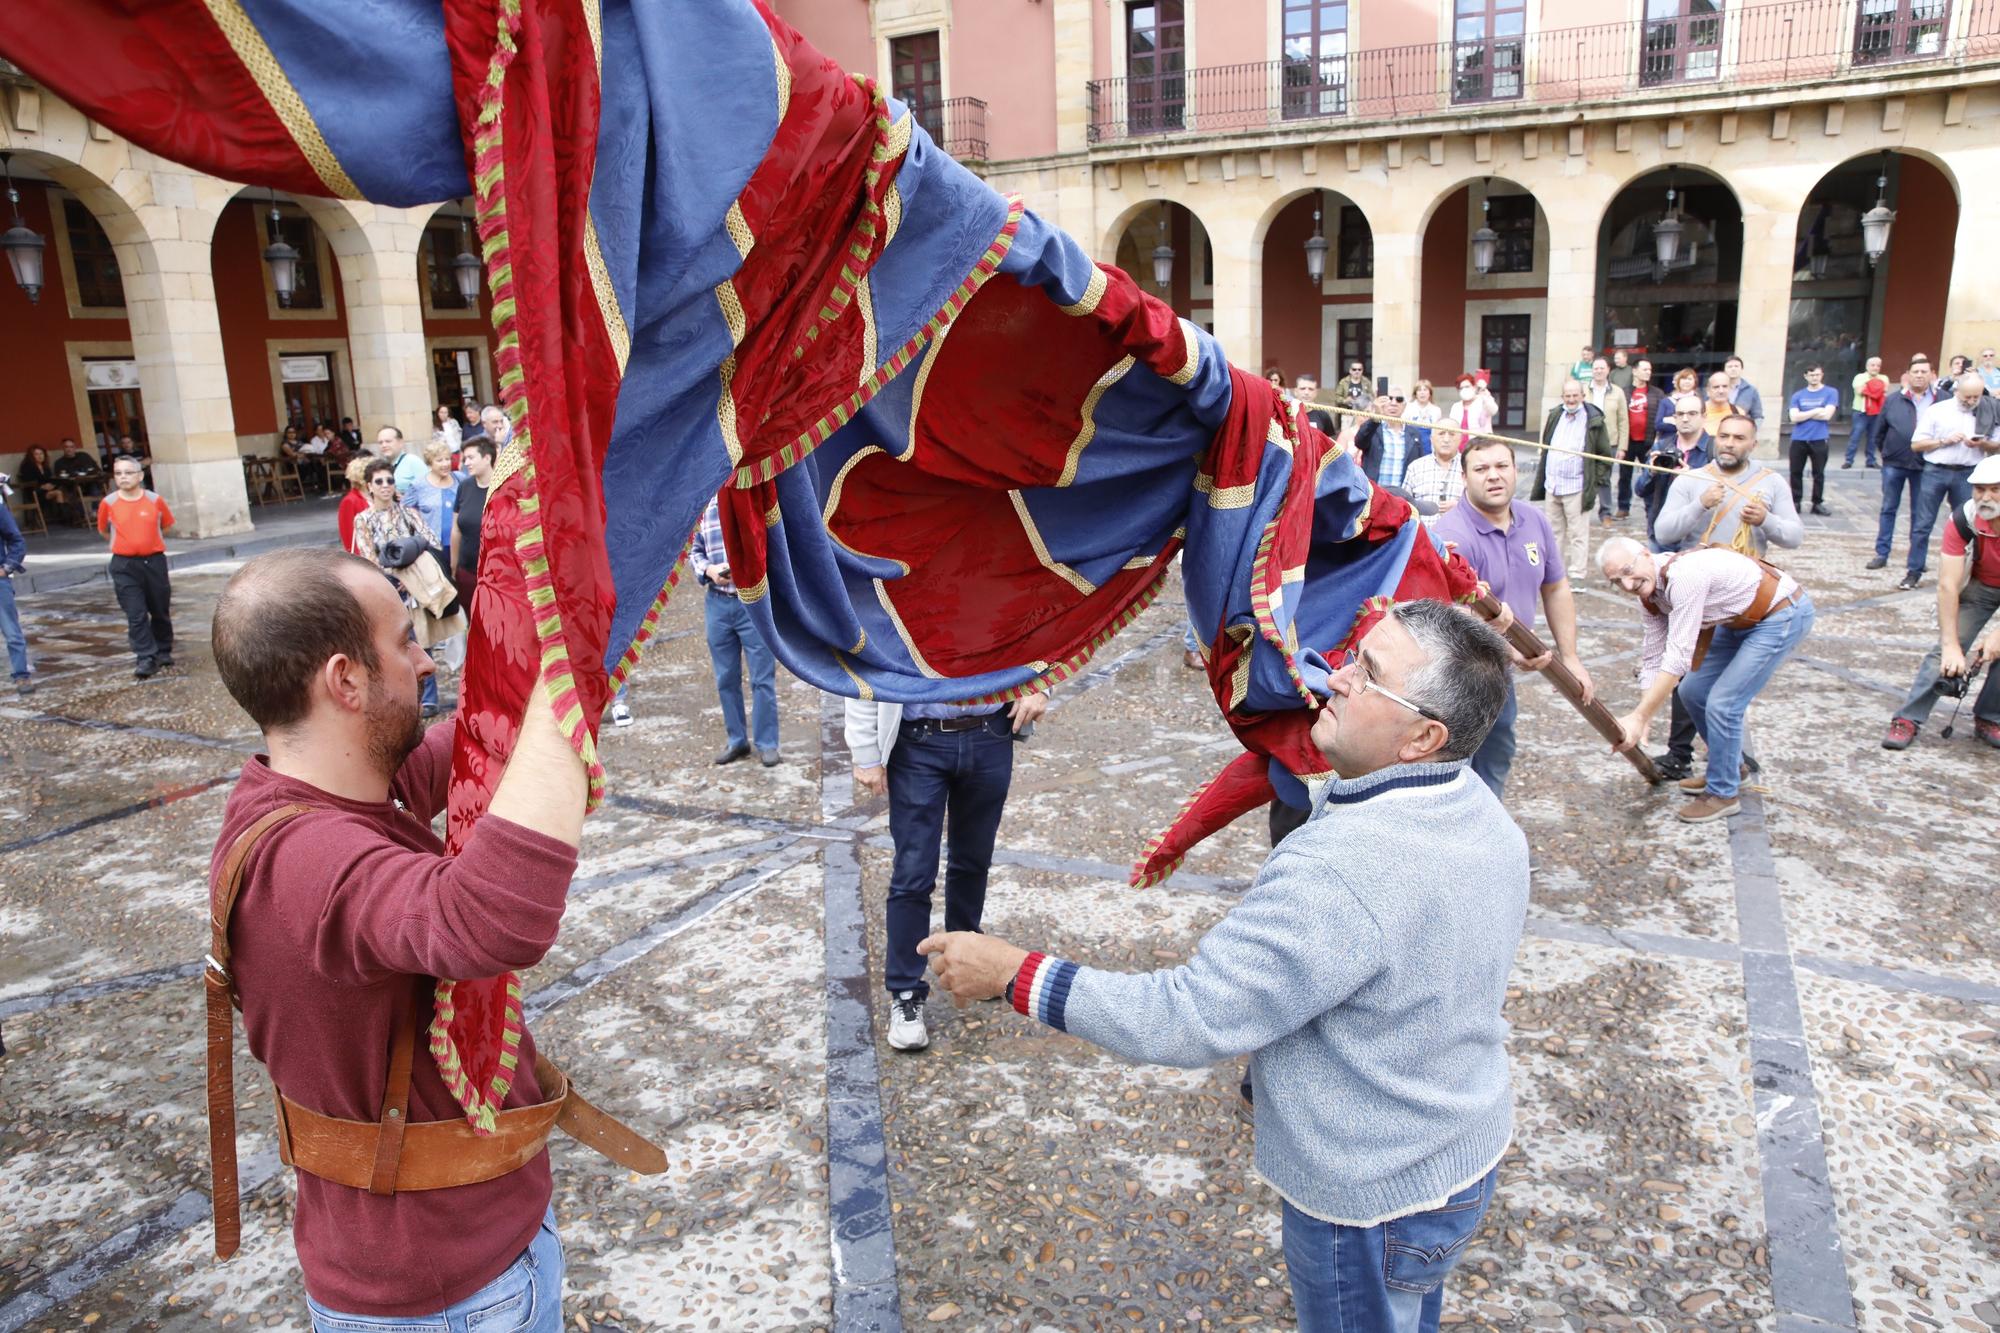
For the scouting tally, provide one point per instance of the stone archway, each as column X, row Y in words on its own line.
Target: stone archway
column 1134, row 244
column 156, row 218
column 1497, row 320
column 1308, row 332
column 1682, row 312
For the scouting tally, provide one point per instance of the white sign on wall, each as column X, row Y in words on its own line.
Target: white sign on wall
column 1624, row 337
column 302, row 369
column 111, row 374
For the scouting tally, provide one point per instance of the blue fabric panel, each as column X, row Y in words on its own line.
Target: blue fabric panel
column 376, row 77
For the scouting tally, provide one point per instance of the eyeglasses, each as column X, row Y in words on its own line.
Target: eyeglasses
column 1364, row 681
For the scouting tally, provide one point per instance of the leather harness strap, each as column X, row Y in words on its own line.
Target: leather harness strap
column 221, row 989
column 387, row 1155
column 1762, row 602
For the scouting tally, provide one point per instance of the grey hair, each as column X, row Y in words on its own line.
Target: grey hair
column 1464, row 676
column 1618, row 546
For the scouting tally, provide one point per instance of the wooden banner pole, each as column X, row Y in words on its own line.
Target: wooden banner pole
column 1596, row 714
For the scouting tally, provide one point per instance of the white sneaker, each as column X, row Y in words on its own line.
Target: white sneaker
column 621, row 716
column 906, row 1023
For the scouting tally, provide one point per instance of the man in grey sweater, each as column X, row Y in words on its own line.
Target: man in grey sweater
column 1365, row 969
column 1701, row 510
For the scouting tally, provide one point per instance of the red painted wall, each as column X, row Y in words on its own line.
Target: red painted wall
column 1005, row 55
column 839, row 28
column 1441, row 303
column 1919, row 260
column 1291, row 307
column 238, row 264
column 41, row 408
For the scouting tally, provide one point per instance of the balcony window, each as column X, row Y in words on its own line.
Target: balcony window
column 1356, row 244
column 916, row 79
column 442, row 243
column 1891, row 30
column 1155, row 65
column 1681, row 42
column 1512, row 217
column 1314, row 72
column 1488, row 37
column 98, row 286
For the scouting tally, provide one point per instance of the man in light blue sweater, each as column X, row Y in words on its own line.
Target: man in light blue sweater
column 1365, row 969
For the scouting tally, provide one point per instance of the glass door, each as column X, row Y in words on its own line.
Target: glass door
column 1681, row 43
column 1155, row 66
column 1891, row 30
column 1503, row 354
column 916, row 78
column 1488, row 40
column 1314, row 73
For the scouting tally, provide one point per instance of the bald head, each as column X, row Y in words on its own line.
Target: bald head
column 282, row 616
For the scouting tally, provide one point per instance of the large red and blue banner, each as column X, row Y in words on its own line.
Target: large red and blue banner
column 956, row 456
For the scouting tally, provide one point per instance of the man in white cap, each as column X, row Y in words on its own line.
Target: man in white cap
column 1968, row 594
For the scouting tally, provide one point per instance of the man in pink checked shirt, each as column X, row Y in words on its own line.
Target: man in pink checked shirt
column 1719, row 624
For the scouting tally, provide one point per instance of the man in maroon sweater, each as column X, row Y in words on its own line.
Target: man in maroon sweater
column 349, row 911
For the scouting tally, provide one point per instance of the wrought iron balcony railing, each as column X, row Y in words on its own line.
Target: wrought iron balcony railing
column 1760, row 45
column 958, row 124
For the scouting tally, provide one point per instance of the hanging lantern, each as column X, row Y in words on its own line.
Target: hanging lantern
column 1667, row 235
column 282, row 260
column 1875, row 223
column 1316, row 252
column 465, row 268
column 22, row 243
column 1484, row 241
column 1163, row 256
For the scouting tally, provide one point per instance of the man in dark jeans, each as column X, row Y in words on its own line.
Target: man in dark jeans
column 1902, row 466
column 1954, row 434
column 934, row 760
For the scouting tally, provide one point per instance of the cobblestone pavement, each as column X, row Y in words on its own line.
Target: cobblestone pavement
column 1754, row 1065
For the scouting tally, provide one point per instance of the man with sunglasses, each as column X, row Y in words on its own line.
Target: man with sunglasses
column 1365, row 969
column 1511, row 546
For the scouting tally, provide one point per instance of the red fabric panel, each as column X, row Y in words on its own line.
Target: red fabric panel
column 803, row 204
column 158, row 72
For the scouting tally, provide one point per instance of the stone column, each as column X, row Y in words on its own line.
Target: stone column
column 1074, row 57
column 1764, row 293
column 378, row 249
column 1398, row 258
column 1238, row 305
column 1971, row 313
column 1572, row 308
column 164, row 263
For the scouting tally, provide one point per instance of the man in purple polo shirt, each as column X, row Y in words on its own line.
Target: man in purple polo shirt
column 1512, row 548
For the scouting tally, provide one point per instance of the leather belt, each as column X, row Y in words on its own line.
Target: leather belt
column 970, row 723
column 440, row 1154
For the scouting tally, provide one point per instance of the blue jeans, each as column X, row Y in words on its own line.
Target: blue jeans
column 10, row 628
column 1939, row 484
column 933, row 773
column 1388, row 1278
column 1894, row 481
column 1863, row 433
column 1740, row 662
column 1495, row 756
column 732, row 636
column 429, row 695
column 525, row 1298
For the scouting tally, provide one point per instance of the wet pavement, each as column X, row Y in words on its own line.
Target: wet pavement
column 1754, row 1064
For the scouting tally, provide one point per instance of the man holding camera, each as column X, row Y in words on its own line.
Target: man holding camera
column 1968, row 595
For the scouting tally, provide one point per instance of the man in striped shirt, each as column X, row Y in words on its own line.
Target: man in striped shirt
column 732, row 638
column 1438, row 476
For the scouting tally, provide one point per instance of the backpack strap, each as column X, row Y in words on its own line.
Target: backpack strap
column 221, row 991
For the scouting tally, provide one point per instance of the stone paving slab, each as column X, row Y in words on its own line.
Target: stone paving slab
column 1033, row 1181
